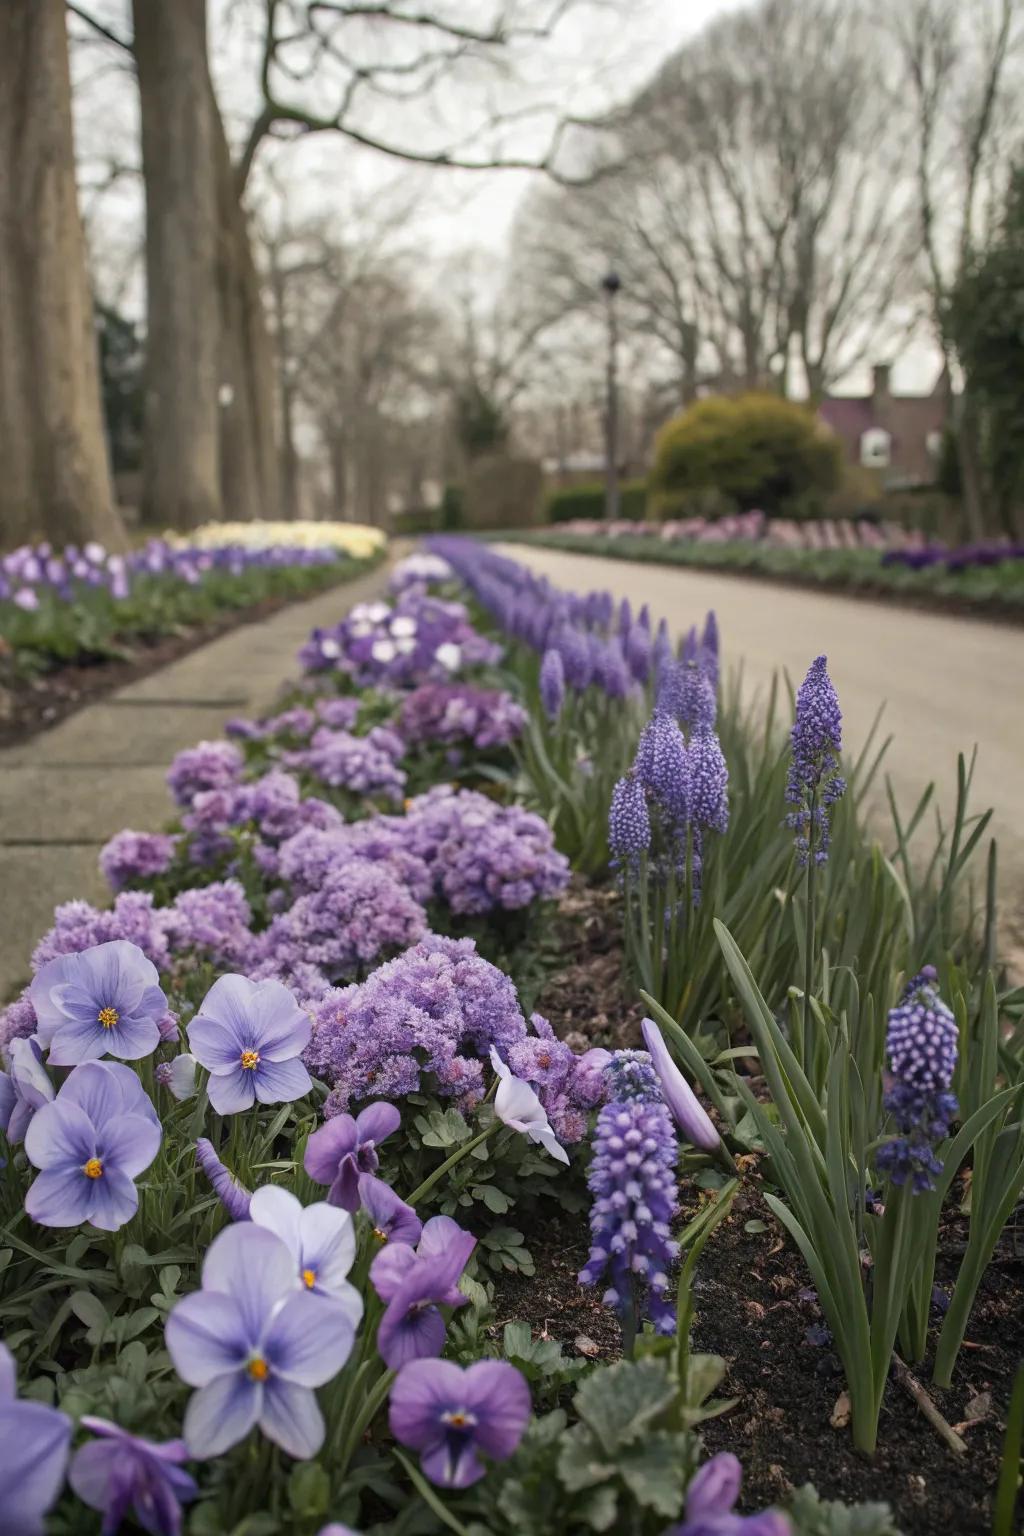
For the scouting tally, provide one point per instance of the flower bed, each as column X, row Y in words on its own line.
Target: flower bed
column 297, row 1182
column 859, row 558
column 76, row 620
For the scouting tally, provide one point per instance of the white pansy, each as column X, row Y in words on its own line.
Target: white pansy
column 449, row 655
column 181, row 1080
column 519, row 1107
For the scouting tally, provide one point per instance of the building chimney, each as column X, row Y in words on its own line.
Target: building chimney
column 880, row 381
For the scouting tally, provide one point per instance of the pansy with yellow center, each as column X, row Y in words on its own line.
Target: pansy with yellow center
column 451, row 1415
column 249, row 1036
column 320, row 1238
column 256, row 1343
column 105, row 1001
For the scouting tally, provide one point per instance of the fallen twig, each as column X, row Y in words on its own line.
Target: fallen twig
column 910, row 1384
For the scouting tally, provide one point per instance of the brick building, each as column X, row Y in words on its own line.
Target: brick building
column 899, row 437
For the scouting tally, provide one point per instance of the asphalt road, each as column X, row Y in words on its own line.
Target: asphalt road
column 948, row 683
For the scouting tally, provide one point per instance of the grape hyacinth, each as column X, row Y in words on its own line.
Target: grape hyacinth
column 632, row 1179
column 921, row 1043
column 629, row 823
column 814, row 781
column 552, row 684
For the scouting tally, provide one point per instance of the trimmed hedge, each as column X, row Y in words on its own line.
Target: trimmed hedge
column 573, row 501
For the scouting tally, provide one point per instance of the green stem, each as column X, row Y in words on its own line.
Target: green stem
column 809, row 936
column 456, row 1157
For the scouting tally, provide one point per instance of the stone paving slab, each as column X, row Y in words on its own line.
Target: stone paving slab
column 65, row 792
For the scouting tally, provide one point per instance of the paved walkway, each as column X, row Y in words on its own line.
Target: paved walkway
column 68, row 790
column 947, row 683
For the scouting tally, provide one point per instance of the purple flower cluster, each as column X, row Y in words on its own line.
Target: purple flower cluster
column 568, row 1086
column 306, row 860
column 419, row 639
column 357, row 914
column 77, row 925
column 438, row 1008
column 921, row 1043
column 459, row 714
column 710, row 1505
column 270, row 808
column 814, row 782
column 213, row 922
column 632, row 1180
column 484, row 856
column 210, row 765
column 131, row 857
column 36, row 574
column 365, row 765
column 298, row 723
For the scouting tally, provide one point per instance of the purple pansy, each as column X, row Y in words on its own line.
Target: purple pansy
column 450, row 1415
column 711, row 1498
column 415, row 1283
column 103, row 1001
column 118, row 1472
column 249, row 1036
column 255, row 1342
column 321, row 1240
column 344, row 1148
column 90, row 1145
column 393, row 1221
column 34, row 1440
column 24, row 1088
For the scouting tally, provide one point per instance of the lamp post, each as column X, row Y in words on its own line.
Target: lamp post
column 611, row 283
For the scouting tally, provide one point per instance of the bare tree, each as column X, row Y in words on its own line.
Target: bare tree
column 962, row 76
column 55, row 480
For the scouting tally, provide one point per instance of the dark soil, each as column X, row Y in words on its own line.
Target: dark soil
column 586, row 993
column 755, row 1307
column 30, row 704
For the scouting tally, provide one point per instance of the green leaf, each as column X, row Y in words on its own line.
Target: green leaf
column 90, row 1310
column 620, row 1402
column 655, row 1472
column 309, row 1489
column 581, row 1461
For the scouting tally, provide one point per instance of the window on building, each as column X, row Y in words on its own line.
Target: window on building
column 875, row 448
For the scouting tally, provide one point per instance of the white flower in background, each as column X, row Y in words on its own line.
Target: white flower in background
column 449, row 655
column 178, row 1076
column 383, row 650
column 355, row 539
column 519, row 1107
column 402, row 626
column 330, row 648
column 405, row 647
column 360, row 629
column 375, row 612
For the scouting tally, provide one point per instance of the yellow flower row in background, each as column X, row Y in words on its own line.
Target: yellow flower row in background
column 355, row 539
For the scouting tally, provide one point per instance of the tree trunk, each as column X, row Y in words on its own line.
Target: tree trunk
column 54, row 472
column 181, row 459
column 972, row 484
column 248, row 438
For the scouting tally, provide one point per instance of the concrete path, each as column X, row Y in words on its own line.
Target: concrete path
column 948, row 683
column 65, row 792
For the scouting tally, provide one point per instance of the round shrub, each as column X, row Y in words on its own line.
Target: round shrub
column 757, row 450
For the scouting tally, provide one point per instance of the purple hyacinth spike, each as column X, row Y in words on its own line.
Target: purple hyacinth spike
column 118, row 1473
column 451, row 1414
column 249, row 1036
column 632, row 1180
column 90, row 1145
column 255, row 1343
column 660, row 764
column 552, row 684
column 639, row 652
column 707, row 782
column 814, row 783
column 709, row 649
column 34, row 1441
column 922, row 1043
column 629, row 823
column 344, row 1148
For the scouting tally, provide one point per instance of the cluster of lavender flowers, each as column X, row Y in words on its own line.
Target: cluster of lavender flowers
column 35, row 574
column 364, row 765
column 568, row 1085
column 436, row 1009
column 359, row 912
column 418, row 639
column 756, row 528
column 297, row 724
column 632, row 1179
column 921, row 1043
column 420, row 570
column 484, row 856
column 814, row 783
column 270, row 810
column 460, row 714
